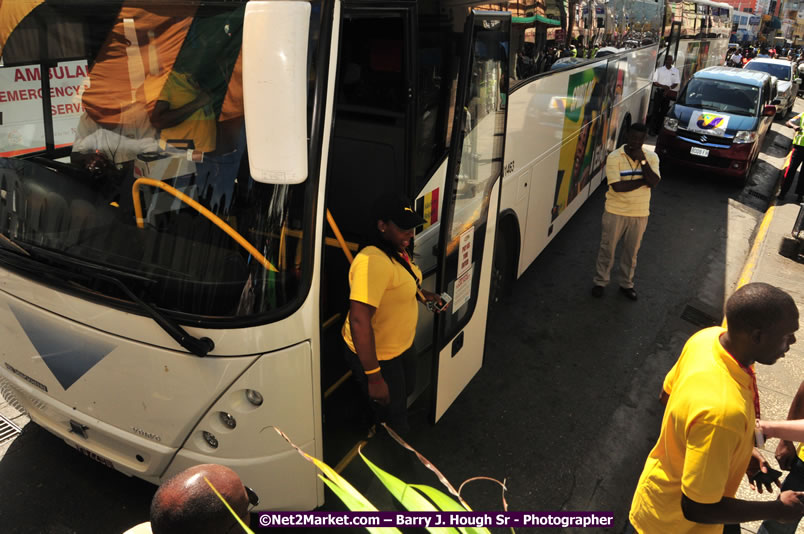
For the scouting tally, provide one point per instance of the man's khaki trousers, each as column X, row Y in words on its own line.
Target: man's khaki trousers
column 630, row 230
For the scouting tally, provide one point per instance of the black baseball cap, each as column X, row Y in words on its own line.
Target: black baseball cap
column 397, row 208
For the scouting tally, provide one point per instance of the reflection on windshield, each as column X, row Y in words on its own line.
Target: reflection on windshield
column 721, row 96
column 782, row 72
column 150, row 96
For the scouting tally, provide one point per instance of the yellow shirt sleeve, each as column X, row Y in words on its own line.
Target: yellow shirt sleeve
column 707, row 462
column 369, row 277
column 670, row 379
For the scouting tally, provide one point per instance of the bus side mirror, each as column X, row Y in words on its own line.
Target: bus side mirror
column 275, row 37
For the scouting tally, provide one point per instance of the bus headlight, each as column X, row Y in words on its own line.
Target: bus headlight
column 210, row 438
column 254, row 397
column 744, row 136
column 670, row 124
column 227, row 419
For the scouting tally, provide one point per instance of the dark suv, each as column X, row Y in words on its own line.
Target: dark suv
column 719, row 121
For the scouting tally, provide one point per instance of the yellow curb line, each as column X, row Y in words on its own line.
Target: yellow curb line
column 750, row 263
column 748, row 269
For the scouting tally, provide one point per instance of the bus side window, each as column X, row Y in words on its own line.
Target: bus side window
column 436, row 48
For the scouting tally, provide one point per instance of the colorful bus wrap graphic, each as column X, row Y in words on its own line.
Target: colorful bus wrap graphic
column 586, row 92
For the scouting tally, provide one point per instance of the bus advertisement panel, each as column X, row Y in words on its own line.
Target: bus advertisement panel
column 578, row 159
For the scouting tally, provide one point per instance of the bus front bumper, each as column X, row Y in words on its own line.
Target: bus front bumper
column 120, row 450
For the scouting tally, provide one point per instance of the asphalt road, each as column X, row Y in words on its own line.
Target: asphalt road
column 564, row 407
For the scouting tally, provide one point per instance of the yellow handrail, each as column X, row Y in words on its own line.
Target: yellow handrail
column 339, row 237
column 217, row 221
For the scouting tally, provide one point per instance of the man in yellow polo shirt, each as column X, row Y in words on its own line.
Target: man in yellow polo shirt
column 380, row 327
column 631, row 173
column 707, row 436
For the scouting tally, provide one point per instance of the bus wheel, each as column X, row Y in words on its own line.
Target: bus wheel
column 501, row 270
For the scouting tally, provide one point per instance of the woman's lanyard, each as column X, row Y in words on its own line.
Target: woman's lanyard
column 406, row 257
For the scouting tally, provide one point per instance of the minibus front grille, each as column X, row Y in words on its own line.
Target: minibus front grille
column 705, row 139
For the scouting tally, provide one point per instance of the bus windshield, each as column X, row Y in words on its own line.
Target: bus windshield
column 123, row 146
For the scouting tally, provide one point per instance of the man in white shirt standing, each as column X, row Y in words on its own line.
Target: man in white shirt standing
column 736, row 59
column 666, row 80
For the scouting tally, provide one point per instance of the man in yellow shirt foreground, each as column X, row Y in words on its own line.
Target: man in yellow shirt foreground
column 707, row 435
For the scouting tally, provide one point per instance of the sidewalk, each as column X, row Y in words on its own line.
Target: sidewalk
column 777, row 383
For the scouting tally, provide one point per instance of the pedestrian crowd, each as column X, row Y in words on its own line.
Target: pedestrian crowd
column 739, row 56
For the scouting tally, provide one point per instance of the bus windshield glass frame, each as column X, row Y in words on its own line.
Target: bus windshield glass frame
column 123, row 147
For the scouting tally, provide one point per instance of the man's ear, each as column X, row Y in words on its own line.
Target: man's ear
column 756, row 336
column 381, row 226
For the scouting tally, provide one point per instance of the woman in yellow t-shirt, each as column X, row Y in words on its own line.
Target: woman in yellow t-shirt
column 381, row 324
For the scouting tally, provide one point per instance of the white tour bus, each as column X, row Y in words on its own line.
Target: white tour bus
column 697, row 33
column 173, row 176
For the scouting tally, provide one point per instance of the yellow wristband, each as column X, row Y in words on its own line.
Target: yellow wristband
column 373, row 371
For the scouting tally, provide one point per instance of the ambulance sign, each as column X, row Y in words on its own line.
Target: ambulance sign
column 22, row 128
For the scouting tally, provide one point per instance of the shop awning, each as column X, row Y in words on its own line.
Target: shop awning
column 535, row 18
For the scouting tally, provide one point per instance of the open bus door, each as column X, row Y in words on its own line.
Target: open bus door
column 471, row 204
column 675, row 37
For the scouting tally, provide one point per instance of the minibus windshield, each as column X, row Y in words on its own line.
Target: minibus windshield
column 719, row 95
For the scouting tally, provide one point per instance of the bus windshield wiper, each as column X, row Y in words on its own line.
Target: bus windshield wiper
column 198, row 346
column 13, row 245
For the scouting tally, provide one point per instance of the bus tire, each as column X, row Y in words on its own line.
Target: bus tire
column 502, row 269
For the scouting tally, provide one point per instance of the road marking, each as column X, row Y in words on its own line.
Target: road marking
column 751, row 262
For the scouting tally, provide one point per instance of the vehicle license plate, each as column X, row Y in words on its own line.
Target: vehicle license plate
column 97, row 458
column 695, row 151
